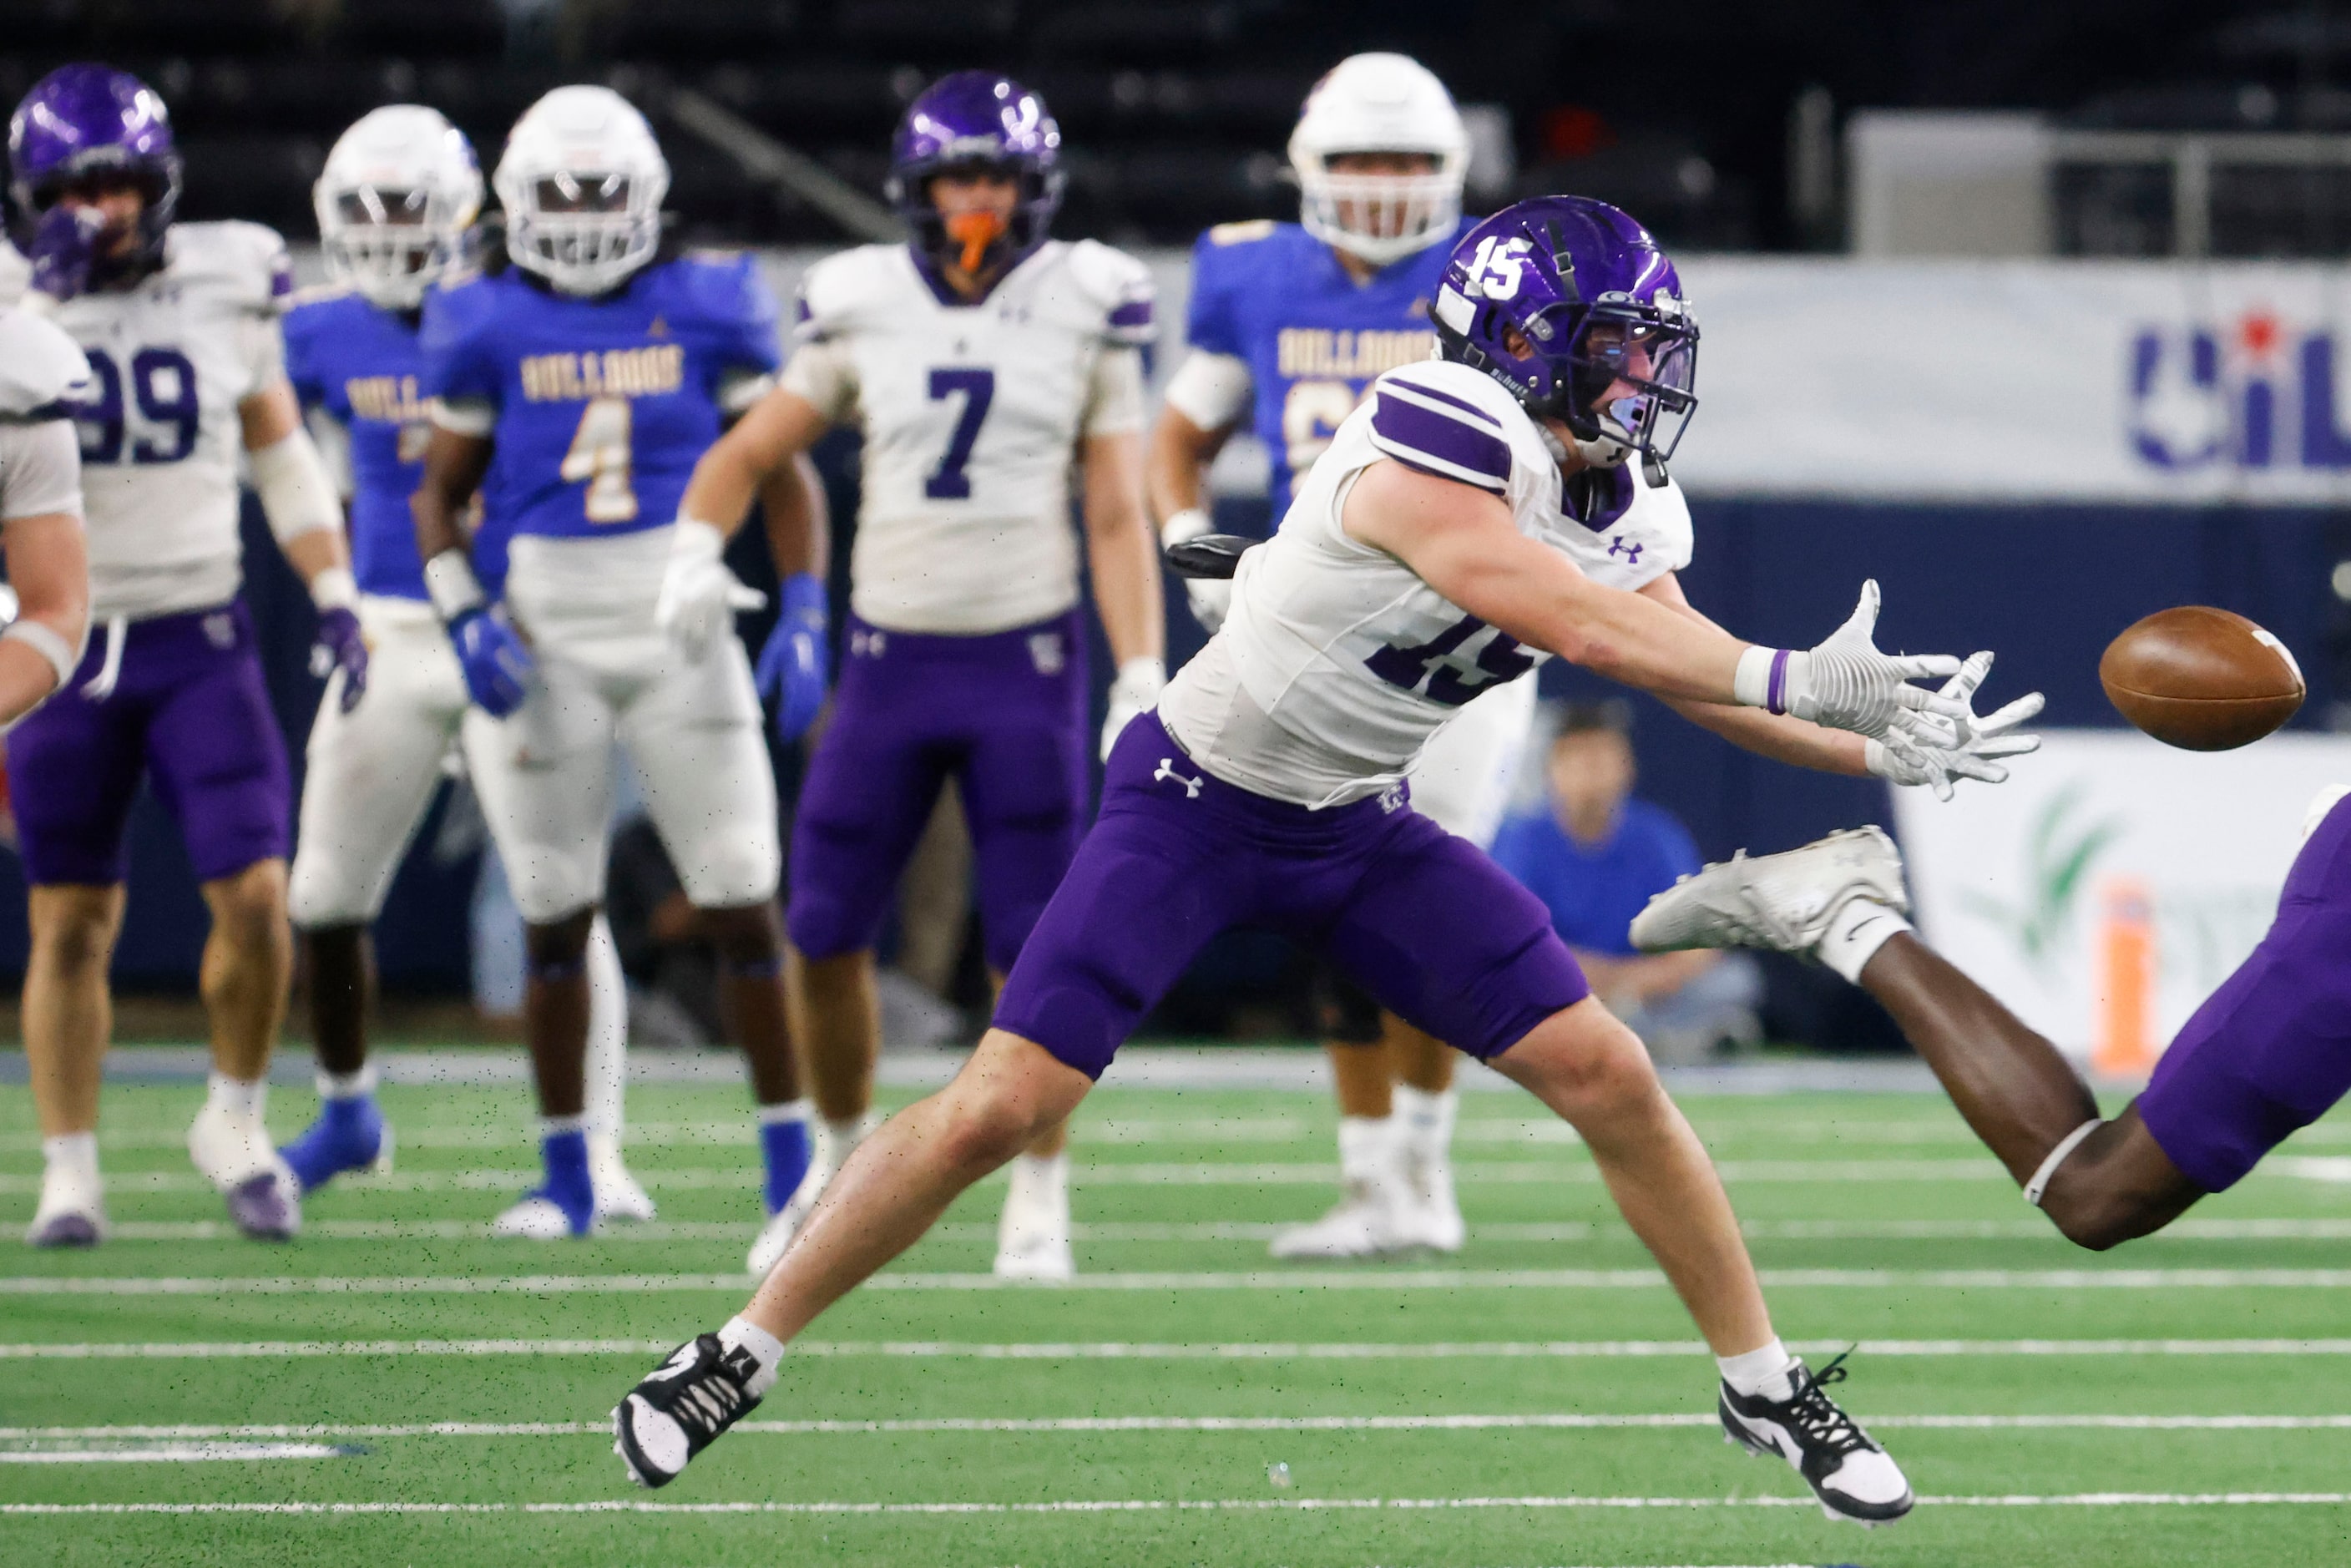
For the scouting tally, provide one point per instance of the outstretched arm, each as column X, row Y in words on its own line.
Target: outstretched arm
column 780, row 426
column 1783, row 737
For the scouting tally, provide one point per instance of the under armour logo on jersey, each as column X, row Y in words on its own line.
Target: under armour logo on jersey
column 1167, row 770
column 1628, row 549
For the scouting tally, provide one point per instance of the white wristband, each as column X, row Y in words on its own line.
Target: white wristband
column 1188, row 524
column 296, row 494
column 450, row 582
column 63, row 656
column 696, row 538
column 1142, row 679
column 1762, row 679
column 335, row 589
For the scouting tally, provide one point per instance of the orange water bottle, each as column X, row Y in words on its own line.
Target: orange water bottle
column 2127, row 967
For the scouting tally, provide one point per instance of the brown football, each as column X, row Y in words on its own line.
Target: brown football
column 2202, row 679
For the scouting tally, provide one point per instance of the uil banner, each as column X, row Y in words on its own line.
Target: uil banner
column 2113, row 882
column 2032, row 380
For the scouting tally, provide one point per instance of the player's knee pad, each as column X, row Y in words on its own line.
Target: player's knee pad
column 722, row 869
column 550, row 884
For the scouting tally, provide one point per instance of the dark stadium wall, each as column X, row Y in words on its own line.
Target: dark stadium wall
column 2045, row 586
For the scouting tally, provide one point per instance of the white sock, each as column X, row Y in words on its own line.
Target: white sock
column 72, row 1157
column 741, row 1333
column 235, row 1098
column 348, row 1085
column 797, row 1109
column 1763, row 1372
column 1035, row 1176
column 550, row 1125
column 1366, row 1147
column 834, row 1139
column 1855, row 933
column 1426, row 1120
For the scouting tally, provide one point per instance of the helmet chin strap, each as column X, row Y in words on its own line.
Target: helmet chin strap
column 1606, row 452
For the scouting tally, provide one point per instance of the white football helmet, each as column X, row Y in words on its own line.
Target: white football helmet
column 581, row 183
column 1380, row 103
column 398, row 195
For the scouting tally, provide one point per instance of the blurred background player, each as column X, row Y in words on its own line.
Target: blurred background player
column 396, row 204
column 1594, row 853
column 1289, row 323
column 573, row 390
column 48, row 585
column 981, row 361
column 180, row 326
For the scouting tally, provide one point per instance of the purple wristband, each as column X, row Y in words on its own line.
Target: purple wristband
column 1775, row 689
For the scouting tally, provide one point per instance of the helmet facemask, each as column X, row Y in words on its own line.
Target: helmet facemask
column 1379, row 217
column 390, row 244
column 584, row 231
column 978, row 243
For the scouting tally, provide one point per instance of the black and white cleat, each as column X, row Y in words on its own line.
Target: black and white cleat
column 700, row 1391
column 1852, row 1475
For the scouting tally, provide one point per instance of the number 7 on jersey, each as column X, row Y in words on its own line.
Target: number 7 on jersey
column 949, row 482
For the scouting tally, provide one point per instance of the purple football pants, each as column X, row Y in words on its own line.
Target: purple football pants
column 189, row 711
column 1004, row 715
column 2269, row 1051
column 1434, row 930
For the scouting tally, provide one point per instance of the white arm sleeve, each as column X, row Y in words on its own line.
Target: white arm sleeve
column 464, row 416
column 1114, row 394
column 295, row 494
column 265, row 353
column 1212, row 390
column 40, row 469
column 825, row 373
column 334, row 444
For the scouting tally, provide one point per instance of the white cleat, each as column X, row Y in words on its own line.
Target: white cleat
column 1430, row 1215
column 1032, row 1238
column 72, row 1213
column 1783, row 902
column 774, row 1237
column 235, row 1154
column 618, row 1194
column 535, row 1218
column 1368, row 1222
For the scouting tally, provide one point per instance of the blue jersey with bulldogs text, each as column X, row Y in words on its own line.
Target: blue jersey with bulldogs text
column 603, row 405
column 362, row 365
column 1273, row 295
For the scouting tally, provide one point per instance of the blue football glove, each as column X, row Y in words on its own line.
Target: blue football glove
column 340, row 645
column 792, row 665
column 63, row 249
column 497, row 666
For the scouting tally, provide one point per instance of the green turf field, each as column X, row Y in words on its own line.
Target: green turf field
column 396, row 1388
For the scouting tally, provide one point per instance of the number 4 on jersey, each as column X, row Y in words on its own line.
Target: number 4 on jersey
column 1438, row 661
column 601, row 455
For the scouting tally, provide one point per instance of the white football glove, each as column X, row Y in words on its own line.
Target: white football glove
column 1901, row 758
column 1847, row 683
column 699, row 596
column 1133, row 694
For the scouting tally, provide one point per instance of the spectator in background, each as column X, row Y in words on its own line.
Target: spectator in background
column 1595, row 855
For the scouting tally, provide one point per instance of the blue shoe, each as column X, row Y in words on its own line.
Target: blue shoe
column 563, row 1205
column 349, row 1135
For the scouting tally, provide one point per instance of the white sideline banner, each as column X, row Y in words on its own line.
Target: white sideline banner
column 2022, row 884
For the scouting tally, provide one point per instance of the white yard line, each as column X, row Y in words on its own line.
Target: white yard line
column 1115, row 1350
column 1156, row 1505
column 1181, row 1281
column 173, row 1453
column 1514, row 1421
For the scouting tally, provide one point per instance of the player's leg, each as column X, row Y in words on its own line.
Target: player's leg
column 218, row 763
column 74, row 767
column 1841, row 900
column 1025, row 782
column 868, row 794
column 371, row 774
column 544, row 780
column 1446, row 939
column 694, row 737
column 1369, row 1219
column 1148, row 888
column 619, row 1194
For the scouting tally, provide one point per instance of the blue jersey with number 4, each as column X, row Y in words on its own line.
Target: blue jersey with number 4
column 362, row 364
column 603, row 405
column 1315, row 339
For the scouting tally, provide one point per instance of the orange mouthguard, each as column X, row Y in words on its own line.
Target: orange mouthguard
column 975, row 232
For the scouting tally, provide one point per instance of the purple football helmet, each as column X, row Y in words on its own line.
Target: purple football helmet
column 82, row 120
column 1572, row 306
column 976, row 120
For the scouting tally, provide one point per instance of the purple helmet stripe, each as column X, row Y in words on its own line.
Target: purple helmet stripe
column 1441, row 443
